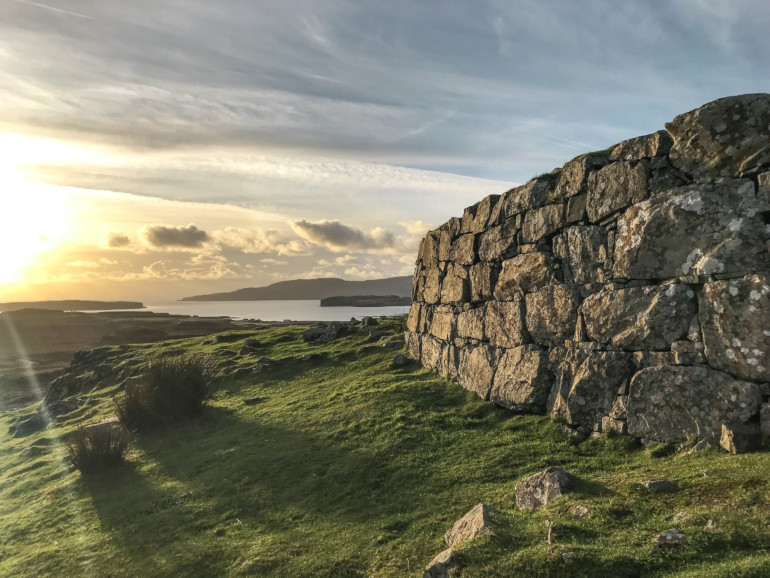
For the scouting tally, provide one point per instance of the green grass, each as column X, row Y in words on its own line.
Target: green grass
column 350, row 467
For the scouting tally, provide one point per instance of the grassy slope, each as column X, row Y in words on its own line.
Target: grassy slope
column 352, row 467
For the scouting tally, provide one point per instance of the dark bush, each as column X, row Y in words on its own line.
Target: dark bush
column 98, row 446
column 169, row 389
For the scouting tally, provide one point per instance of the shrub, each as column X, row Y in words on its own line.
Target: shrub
column 98, row 446
column 170, row 388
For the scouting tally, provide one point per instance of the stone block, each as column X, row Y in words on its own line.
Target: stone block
column 651, row 145
column 476, row 369
column 539, row 223
column 522, row 380
column 551, row 314
column 539, row 490
column 472, row 525
column 576, row 208
column 499, row 242
column 461, row 251
column 575, row 174
column 504, row 323
column 470, row 324
column 483, row 277
column 524, row 273
column 615, row 187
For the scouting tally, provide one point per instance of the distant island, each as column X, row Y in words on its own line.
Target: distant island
column 314, row 289
column 71, row 305
column 366, row 301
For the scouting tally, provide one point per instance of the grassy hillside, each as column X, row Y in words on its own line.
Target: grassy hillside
column 347, row 466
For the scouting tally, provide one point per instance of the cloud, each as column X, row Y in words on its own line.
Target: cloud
column 258, row 241
column 163, row 236
column 118, row 240
column 337, row 236
column 82, row 265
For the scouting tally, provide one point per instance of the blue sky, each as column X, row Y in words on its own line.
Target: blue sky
column 375, row 115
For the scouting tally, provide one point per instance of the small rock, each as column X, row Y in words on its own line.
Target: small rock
column 442, row 565
column 325, row 334
column 740, row 438
column 370, row 321
column 568, row 556
column 661, row 485
column 670, row 539
column 579, row 512
column 253, row 343
column 400, row 360
column 393, row 343
column 573, row 433
column 310, row 356
column 711, row 525
column 253, row 400
column 474, row 523
column 536, row 491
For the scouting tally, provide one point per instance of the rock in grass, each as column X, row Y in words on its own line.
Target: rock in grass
column 325, row 334
column 661, row 485
column 27, row 425
column 740, row 438
column 536, row 491
column 474, row 523
column 400, row 360
column 253, row 400
column 670, row 539
column 442, row 565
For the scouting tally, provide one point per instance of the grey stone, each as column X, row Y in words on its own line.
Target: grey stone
column 584, row 250
column 763, row 191
column 504, row 323
column 521, row 199
column 400, row 360
column 429, row 250
column 574, row 176
column 542, row 222
column 522, row 274
column 537, row 491
column 651, row 145
column 473, row 524
column 455, row 287
column 615, row 187
column 476, row 369
column 499, row 242
column 470, row 324
column 482, row 278
column 576, row 208
column 443, row 323
column 619, row 408
column 640, row 318
column 661, row 485
column 432, row 287
column 326, row 334
column 740, row 438
column 552, row 314
column 735, row 319
column 724, row 138
column 615, row 425
column 433, row 354
column 764, row 420
column 587, row 385
column 522, row 380
column 461, row 252
column 699, row 230
column 670, row 539
column 413, row 345
column 27, row 425
column 476, row 218
column 670, row 403
column 253, row 400
column 442, row 565
column 413, row 318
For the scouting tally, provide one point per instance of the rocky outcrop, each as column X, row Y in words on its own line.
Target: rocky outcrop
column 627, row 291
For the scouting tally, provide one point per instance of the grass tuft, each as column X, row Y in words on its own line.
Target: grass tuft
column 98, row 447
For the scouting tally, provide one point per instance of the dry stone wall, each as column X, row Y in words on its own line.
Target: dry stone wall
column 628, row 290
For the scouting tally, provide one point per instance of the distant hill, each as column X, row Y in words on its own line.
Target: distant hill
column 366, row 301
column 314, row 289
column 71, row 305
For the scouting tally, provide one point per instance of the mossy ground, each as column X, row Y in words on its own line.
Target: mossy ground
column 351, row 467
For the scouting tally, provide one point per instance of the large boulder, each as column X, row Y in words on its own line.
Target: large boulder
column 724, row 138
column 735, row 320
column 588, row 385
column 671, row 403
column 522, row 381
column 640, row 318
column 539, row 490
column 696, row 230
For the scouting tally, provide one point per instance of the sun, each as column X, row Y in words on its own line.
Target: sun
column 32, row 218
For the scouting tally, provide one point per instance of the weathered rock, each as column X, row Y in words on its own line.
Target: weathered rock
column 579, row 512
column 542, row 222
column 587, row 386
column 27, row 425
column 585, row 252
column 576, row 208
column 58, row 409
column 522, row 274
column 443, row 323
column 537, row 491
column 325, row 334
column 640, row 318
column 475, row 218
column 610, row 424
column 461, row 251
column 651, row 145
column 400, row 360
column 735, row 319
column 669, row 404
column 552, row 314
column 498, row 243
column 442, row 565
column 661, row 485
column 413, row 318
column 473, row 524
column 740, row 438
column 697, row 230
column 615, row 187
column 470, row 324
column 574, row 176
column 619, row 408
column 476, row 369
column 413, row 345
column 456, row 285
column 764, row 420
column 504, row 323
column 763, row 192
column 724, row 138
column 670, row 539
column 432, row 286
column 520, row 199
column 482, row 277
column 522, row 381
column 429, row 250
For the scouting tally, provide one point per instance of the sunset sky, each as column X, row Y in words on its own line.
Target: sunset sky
column 155, row 149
